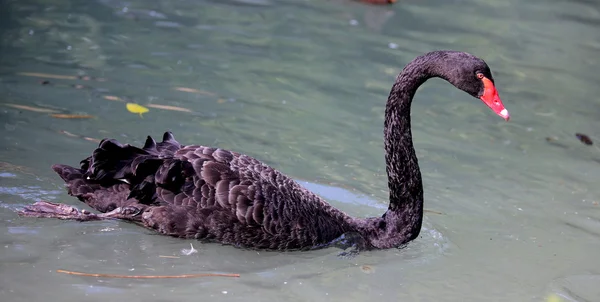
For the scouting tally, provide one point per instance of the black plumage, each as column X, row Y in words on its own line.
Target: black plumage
column 218, row 195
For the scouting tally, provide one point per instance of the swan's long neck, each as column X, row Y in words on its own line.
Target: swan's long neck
column 405, row 213
column 402, row 221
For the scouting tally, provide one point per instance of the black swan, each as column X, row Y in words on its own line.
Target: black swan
column 222, row 196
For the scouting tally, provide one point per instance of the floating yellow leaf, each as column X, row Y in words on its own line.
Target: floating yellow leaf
column 71, row 116
column 113, row 98
column 135, row 108
column 221, row 101
column 168, row 107
column 47, row 75
column 192, row 90
column 30, row 108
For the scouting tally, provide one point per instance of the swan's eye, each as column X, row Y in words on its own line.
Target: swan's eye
column 480, row 75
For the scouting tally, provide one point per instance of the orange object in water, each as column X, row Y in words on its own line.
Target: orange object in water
column 379, row 1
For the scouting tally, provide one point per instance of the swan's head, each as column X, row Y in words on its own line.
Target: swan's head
column 472, row 75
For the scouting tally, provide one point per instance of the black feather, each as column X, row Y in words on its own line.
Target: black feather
column 218, row 195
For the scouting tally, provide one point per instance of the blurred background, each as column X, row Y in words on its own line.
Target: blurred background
column 302, row 84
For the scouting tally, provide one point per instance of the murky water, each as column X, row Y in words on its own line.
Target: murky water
column 302, row 85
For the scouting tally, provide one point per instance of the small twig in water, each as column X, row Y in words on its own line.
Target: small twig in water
column 146, row 276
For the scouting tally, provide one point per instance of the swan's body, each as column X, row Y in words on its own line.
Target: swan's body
column 223, row 196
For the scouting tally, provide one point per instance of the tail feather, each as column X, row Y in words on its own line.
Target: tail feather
column 120, row 170
column 112, row 160
column 76, row 182
column 168, row 146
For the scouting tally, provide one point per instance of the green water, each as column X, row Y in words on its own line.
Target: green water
column 301, row 85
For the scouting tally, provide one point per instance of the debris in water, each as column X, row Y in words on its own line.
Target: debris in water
column 553, row 140
column 91, row 139
column 367, row 269
column 168, row 107
column 433, row 212
column 113, row 98
column 190, row 251
column 60, row 77
column 584, row 139
column 47, row 75
column 193, row 90
column 31, row 108
column 71, row 116
column 146, row 276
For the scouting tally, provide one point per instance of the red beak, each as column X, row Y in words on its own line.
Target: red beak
column 490, row 97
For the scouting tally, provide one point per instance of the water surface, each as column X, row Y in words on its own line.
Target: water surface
column 302, row 86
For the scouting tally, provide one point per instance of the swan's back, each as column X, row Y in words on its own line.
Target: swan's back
column 204, row 193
